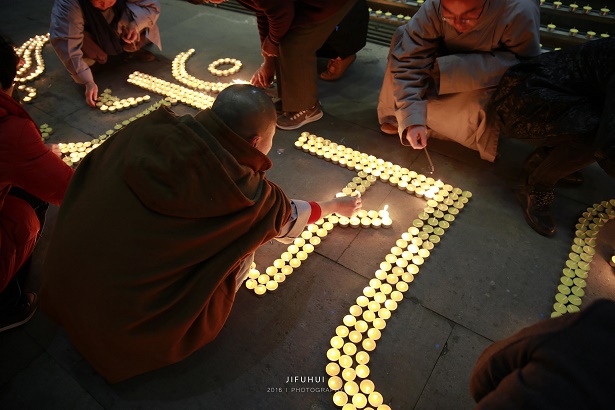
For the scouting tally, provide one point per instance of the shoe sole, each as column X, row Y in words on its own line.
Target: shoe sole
column 301, row 124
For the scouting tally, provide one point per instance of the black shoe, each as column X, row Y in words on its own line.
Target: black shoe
column 22, row 313
column 536, row 205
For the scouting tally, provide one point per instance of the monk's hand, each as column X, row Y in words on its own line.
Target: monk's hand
column 91, row 93
column 345, row 205
column 131, row 33
column 55, row 148
column 263, row 77
column 416, row 135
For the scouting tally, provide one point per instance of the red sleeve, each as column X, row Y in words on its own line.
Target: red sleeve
column 35, row 168
column 316, row 212
column 273, row 18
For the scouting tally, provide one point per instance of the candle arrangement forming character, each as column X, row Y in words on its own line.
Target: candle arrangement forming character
column 181, row 75
column 73, row 152
column 175, row 92
column 573, row 281
column 25, row 73
column 350, row 348
column 108, row 103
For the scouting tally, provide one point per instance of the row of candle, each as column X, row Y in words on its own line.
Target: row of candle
column 30, row 93
column 73, row 152
column 311, row 237
column 573, row 7
column 107, row 102
column 570, row 290
column 574, row 32
column 372, row 169
column 174, row 91
column 296, row 253
column 372, row 309
column 213, row 67
column 367, row 318
column 25, row 52
column 178, row 68
column 45, row 131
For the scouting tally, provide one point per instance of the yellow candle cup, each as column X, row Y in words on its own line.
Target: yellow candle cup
column 367, row 386
column 362, row 357
column 335, row 383
column 332, row 369
column 362, row 371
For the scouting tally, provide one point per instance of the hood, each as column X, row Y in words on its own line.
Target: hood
column 191, row 167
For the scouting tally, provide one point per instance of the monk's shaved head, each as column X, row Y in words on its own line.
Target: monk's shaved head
column 247, row 110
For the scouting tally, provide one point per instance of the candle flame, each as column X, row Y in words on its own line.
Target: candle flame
column 386, row 207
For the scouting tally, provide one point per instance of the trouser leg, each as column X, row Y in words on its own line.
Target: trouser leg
column 296, row 64
column 19, row 228
column 559, row 162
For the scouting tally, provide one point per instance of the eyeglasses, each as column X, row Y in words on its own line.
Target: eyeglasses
column 460, row 20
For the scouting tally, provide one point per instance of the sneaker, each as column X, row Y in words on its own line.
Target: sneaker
column 22, row 314
column 536, row 205
column 294, row 120
column 336, row 67
column 389, row 129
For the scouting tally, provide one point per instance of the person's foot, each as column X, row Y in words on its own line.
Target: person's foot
column 336, row 67
column 536, row 205
column 22, row 313
column 388, row 128
column 294, row 120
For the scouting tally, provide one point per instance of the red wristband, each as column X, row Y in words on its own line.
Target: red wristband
column 316, row 212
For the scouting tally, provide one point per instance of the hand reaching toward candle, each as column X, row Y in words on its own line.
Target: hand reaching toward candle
column 91, row 93
column 131, row 33
column 345, row 206
column 416, row 135
column 263, row 77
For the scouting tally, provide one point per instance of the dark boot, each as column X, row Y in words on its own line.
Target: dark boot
column 536, row 205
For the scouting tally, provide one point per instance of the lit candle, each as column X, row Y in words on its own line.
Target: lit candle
column 375, row 399
column 349, row 374
column 272, row 286
column 362, row 357
column 341, row 331
column 368, row 344
column 355, row 222
column 362, row 301
column 355, row 336
column 335, row 382
column 351, row 388
column 350, row 349
column 345, row 361
column 260, row 290
column 337, row 342
column 359, row 400
column 362, row 372
column 384, row 213
column 367, row 386
column 332, row 369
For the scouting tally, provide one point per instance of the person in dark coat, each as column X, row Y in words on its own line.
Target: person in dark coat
column 563, row 102
column 561, row 363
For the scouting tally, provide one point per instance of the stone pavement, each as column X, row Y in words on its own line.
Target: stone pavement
column 490, row 276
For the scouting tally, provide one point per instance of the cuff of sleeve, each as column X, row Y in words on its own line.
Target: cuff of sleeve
column 83, row 77
column 269, row 48
column 316, row 212
column 304, row 211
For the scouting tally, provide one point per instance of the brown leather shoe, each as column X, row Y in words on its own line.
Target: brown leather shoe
column 336, row 68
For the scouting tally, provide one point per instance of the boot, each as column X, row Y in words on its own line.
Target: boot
column 536, row 205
